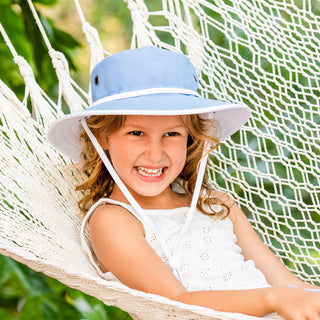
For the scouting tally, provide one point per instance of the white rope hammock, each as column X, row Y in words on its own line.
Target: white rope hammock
column 264, row 53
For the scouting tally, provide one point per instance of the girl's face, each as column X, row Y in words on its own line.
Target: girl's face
column 148, row 153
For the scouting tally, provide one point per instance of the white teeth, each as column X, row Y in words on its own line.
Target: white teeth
column 150, row 172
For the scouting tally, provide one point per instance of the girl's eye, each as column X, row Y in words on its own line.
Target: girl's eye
column 172, row 134
column 136, row 133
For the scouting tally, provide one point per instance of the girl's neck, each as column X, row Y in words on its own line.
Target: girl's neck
column 167, row 200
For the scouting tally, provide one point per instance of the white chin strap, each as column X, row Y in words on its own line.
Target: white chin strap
column 174, row 264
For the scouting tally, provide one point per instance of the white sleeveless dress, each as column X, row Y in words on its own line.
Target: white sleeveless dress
column 207, row 257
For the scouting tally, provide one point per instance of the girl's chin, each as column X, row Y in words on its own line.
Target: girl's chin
column 147, row 192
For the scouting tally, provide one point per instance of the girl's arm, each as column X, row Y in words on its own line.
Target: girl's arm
column 119, row 243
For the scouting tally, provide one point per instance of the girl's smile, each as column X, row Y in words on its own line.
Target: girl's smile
column 148, row 153
column 151, row 174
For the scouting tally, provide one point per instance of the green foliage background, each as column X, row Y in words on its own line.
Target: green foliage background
column 28, row 295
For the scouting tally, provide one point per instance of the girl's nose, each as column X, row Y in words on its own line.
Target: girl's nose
column 155, row 150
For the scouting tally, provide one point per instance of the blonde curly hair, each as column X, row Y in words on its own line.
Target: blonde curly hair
column 99, row 183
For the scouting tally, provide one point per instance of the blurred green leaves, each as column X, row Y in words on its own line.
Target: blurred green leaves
column 28, row 295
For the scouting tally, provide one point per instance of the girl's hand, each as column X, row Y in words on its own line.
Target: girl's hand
column 296, row 303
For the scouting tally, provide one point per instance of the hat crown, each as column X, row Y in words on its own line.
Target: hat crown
column 143, row 68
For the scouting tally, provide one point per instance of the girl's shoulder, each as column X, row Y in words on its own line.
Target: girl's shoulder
column 110, row 214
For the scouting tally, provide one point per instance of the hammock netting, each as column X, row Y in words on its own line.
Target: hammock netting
column 264, row 53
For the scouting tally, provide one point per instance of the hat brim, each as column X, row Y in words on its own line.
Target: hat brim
column 64, row 134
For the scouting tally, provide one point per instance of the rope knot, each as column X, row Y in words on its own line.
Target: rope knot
column 59, row 61
column 93, row 39
column 24, row 67
column 90, row 32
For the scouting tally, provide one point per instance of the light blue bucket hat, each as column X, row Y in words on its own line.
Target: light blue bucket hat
column 144, row 81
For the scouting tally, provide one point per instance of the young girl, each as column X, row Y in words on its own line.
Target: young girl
column 154, row 222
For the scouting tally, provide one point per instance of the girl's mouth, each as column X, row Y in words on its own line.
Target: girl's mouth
column 150, row 173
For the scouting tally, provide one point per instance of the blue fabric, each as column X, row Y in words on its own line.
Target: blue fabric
column 144, row 68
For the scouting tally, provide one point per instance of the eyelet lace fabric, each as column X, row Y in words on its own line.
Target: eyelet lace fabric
column 207, row 257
